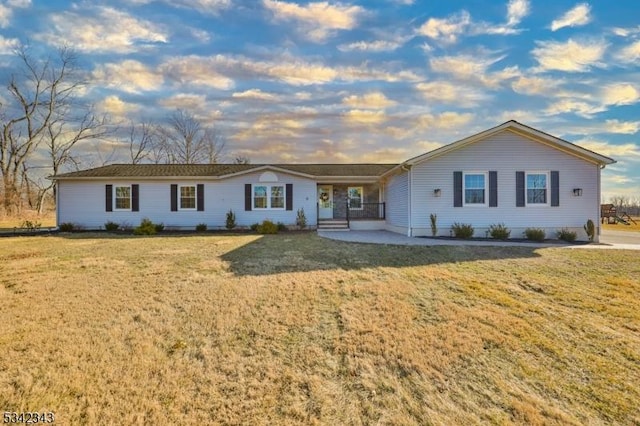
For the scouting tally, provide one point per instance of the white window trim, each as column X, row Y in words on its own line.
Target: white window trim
column 548, row 188
column 361, row 198
column 195, row 189
column 115, row 192
column 486, row 189
column 268, row 186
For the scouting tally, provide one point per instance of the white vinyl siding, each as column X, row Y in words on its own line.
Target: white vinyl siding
column 505, row 152
column 397, row 201
column 82, row 202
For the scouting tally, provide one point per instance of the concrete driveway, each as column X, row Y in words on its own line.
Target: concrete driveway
column 609, row 236
column 608, row 240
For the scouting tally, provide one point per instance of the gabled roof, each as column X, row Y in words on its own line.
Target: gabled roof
column 521, row 129
column 155, row 170
column 221, row 171
column 336, row 172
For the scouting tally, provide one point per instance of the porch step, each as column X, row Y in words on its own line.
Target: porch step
column 333, row 225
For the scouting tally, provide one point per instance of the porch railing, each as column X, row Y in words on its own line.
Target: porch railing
column 373, row 211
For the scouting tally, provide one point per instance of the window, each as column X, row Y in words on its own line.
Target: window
column 475, row 188
column 188, row 197
column 122, row 198
column 537, row 188
column 259, row 197
column 268, row 197
column 354, row 193
column 277, row 197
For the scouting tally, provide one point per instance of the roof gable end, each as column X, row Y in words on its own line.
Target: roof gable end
column 522, row 130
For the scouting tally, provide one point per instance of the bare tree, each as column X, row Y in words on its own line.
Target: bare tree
column 626, row 204
column 62, row 135
column 241, row 159
column 38, row 106
column 186, row 140
column 214, row 145
column 620, row 201
column 141, row 142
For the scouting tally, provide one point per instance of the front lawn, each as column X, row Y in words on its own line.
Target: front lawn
column 296, row 329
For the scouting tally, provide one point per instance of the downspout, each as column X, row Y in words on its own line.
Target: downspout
column 57, row 189
column 598, row 201
column 409, row 198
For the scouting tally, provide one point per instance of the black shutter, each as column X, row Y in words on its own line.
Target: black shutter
column 247, row 197
column 555, row 189
column 457, row 189
column 493, row 189
column 135, row 198
column 520, row 189
column 200, row 197
column 108, row 197
column 174, row 197
column 289, row 196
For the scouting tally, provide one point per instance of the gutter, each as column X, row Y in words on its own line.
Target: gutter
column 317, row 179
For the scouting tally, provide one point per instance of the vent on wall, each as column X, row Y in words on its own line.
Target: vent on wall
column 268, row 177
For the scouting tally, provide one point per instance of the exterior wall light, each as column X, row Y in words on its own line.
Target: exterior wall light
column 577, row 192
column 437, row 192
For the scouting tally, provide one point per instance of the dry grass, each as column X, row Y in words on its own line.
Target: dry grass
column 294, row 329
column 633, row 227
column 45, row 220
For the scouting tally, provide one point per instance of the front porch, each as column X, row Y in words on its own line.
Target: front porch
column 350, row 206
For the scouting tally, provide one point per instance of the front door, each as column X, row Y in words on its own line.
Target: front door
column 325, row 202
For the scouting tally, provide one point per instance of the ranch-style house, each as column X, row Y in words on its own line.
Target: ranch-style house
column 511, row 174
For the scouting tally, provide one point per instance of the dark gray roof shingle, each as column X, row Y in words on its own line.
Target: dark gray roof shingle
column 216, row 170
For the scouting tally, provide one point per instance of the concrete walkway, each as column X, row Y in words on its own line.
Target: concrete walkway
column 607, row 240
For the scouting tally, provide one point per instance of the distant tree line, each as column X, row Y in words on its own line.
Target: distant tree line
column 44, row 120
column 625, row 204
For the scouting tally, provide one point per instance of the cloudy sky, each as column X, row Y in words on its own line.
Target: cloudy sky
column 356, row 80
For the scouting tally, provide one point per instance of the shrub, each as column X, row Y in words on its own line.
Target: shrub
column 254, row 227
column 111, row 226
column 31, row 225
column 590, row 229
column 67, row 227
column 159, row 227
column 534, row 234
column 566, row 235
column 267, row 227
column 146, row 227
column 301, row 219
column 499, row 231
column 434, row 225
column 201, row 227
column 281, row 227
column 231, row 220
column 462, row 230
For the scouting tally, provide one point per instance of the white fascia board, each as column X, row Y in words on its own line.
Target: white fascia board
column 267, row 167
column 522, row 130
column 346, row 179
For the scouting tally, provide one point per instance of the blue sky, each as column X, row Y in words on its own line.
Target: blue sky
column 356, row 81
